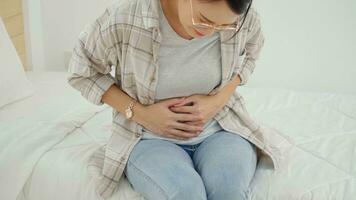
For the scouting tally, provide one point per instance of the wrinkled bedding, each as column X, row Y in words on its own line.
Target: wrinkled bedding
column 45, row 156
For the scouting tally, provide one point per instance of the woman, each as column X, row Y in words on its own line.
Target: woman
column 198, row 167
column 180, row 151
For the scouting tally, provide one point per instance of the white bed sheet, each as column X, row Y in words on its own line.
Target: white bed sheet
column 31, row 126
column 51, row 92
column 323, row 164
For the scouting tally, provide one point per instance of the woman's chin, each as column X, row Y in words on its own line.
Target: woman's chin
column 197, row 34
column 191, row 33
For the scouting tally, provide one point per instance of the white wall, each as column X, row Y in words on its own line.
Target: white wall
column 58, row 24
column 33, row 26
column 310, row 45
column 63, row 22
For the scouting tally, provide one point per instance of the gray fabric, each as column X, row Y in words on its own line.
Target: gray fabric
column 187, row 67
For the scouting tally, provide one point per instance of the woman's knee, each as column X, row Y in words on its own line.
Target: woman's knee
column 228, row 184
column 227, row 181
column 230, row 193
column 159, row 170
column 227, row 165
column 180, row 183
column 189, row 186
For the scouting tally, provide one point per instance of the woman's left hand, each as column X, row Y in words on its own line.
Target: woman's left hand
column 205, row 106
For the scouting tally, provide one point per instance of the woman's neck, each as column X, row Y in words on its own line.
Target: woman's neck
column 170, row 10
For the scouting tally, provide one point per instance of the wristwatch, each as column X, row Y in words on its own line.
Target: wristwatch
column 129, row 109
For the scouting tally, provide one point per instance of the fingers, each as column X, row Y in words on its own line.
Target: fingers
column 174, row 101
column 187, row 127
column 175, row 137
column 186, row 101
column 178, row 134
column 197, row 123
column 184, row 131
column 187, row 117
column 184, row 109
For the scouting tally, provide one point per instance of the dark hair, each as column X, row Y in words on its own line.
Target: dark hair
column 238, row 6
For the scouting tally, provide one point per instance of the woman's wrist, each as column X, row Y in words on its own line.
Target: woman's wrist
column 223, row 96
column 139, row 111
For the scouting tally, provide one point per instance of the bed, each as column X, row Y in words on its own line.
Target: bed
column 51, row 135
column 48, row 132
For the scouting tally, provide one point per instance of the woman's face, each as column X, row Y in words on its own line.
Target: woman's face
column 217, row 12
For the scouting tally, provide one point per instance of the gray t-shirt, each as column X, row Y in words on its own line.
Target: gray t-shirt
column 187, row 67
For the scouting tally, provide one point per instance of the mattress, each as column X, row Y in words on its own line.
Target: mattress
column 52, row 94
column 323, row 125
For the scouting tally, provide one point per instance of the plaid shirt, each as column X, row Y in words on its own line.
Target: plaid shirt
column 127, row 37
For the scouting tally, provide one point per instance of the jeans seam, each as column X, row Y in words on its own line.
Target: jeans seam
column 151, row 180
column 248, row 192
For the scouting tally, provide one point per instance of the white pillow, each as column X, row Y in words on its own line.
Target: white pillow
column 14, row 84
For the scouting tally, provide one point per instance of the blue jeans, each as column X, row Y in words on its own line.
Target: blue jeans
column 221, row 167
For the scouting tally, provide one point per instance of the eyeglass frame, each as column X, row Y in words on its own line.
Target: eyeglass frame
column 205, row 25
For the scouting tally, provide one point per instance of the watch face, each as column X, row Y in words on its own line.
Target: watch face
column 128, row 113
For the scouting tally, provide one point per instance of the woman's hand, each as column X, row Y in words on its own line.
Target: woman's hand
column 204, row 106
column 162, row 121
column 207, row 105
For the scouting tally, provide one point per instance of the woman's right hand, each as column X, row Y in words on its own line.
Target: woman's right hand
column 164, row 122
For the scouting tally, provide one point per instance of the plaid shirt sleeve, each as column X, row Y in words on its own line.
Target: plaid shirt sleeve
column 254, row 44
column 92, row 59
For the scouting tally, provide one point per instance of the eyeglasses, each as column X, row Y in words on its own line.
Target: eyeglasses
column 236, row 26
